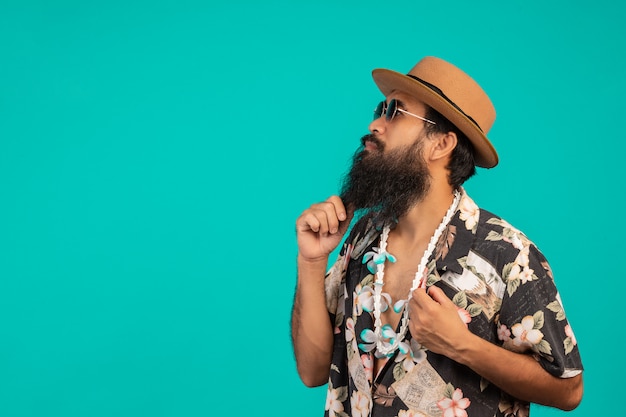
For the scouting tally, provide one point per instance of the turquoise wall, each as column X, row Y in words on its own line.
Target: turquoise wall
column 154, row 157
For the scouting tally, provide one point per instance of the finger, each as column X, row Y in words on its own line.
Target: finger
column 327, row 217
column 327, row 212
column 438, row 295
column 420, row 297
column 313, row 220
column 340, row 209
column 307, row 222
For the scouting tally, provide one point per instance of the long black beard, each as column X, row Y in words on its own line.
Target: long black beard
column 386, row 184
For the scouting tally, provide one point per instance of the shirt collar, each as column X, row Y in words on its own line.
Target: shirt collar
column 463, row 228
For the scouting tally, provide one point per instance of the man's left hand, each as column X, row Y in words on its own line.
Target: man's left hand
column 435, row 322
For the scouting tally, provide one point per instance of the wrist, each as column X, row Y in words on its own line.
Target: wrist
column 466, row 348
column 312, row 271
column 320, row 261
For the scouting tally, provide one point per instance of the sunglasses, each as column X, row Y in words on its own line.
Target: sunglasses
column 391, row 110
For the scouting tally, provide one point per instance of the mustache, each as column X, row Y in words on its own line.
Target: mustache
column 371, row 138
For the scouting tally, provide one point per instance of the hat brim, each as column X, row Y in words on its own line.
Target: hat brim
column 388, row 81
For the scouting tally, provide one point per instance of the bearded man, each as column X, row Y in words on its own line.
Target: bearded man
column 434, row 306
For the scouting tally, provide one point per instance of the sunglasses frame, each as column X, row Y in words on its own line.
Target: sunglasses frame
column 383, row 108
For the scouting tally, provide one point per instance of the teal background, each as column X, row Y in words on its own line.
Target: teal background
column 154, row 157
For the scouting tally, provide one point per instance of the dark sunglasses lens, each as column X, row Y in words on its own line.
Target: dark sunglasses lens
column 379, row 110
column 391, row 109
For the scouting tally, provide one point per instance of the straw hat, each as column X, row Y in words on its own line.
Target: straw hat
column 452, row 93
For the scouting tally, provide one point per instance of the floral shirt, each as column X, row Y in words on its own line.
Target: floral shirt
column 505, row 292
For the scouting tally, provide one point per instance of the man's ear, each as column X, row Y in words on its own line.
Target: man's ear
column 443, row 146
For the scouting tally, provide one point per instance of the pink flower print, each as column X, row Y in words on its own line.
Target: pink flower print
column 504, row 333
column 464, row 315
column 526, row 275
column 455, row 406
column 368, row 366
column 570, row 333
column 349, row 330
column 525, row 334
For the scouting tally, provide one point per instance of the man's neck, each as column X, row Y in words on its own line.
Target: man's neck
column 421, row 221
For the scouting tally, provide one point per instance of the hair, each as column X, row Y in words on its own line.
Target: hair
column 388, row 183
column 462, row 165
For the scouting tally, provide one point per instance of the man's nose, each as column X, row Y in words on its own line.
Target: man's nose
column 377, row 126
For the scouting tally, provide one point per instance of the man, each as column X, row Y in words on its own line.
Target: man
column 434, row 307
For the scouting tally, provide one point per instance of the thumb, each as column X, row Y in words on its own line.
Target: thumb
column 439, row 296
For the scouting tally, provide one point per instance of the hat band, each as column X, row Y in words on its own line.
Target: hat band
column 440, row 93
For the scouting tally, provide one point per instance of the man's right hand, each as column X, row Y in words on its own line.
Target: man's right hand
column 321, row 227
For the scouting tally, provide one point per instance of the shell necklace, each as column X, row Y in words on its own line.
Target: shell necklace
column 396, row 340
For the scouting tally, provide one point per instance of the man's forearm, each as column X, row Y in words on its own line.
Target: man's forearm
column 311, row 330
column 519, row 374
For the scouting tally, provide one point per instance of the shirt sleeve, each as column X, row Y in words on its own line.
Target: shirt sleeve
column 335, row 277
column 532, row 318
column 335, row 281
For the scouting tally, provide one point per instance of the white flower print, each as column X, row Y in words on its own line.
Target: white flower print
column 523, row 256
column 470, row 213
column 524, row 274
column 364, row 300
column 334, row 400
column 525, row 334
column 360, row 404
column 517, row 242
column 415, row 354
